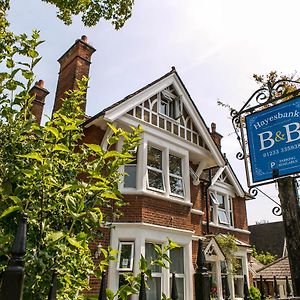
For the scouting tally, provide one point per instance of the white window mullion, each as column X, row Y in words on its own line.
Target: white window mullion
column 166, row 170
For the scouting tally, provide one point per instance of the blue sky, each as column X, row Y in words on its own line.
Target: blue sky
column 215, row 45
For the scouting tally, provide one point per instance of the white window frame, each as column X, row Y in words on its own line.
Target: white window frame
column 131, row 165
column 216, row 209
column 156, row 170
column 178, row 275
column 156, row 274
column 176, row 176
column 121, row 244
column 166, row 152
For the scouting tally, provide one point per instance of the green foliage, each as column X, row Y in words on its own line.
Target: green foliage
column 229, row 247
column 47, row 173
column 263, row 257
column 254, row 293
column 116, row 11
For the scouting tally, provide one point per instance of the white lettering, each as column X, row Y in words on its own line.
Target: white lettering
column 266, row 140
column 290, row 131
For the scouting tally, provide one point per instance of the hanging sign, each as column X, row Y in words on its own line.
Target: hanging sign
column 273, row 136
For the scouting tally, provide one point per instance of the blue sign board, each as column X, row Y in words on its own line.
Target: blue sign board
column 273, row 136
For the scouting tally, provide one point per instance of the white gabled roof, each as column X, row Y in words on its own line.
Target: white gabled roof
column 120, row 108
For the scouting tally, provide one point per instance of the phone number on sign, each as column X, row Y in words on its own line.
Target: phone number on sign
column 282, row 150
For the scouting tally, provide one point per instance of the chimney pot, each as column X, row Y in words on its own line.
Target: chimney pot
column 40, row 93
column 215, row 135
column 213, row 127
column 84, row 38
column 40, row 83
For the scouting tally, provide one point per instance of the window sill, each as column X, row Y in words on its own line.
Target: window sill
column 197, row 212
column 227, row 227
column 156, row 195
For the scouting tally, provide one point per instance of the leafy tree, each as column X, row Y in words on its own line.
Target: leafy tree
column 116, row 11
column 229, row 247
column 263, row 257
column 47, row 173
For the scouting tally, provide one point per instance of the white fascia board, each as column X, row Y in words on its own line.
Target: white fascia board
column 121, row 109
column 239, row 190
column 200, row 124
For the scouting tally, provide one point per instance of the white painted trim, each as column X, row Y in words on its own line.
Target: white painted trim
column 227, row 228
column 157, row 195
column 154, row 226
column 217, row 175
column 197, row 212
column 104, row 144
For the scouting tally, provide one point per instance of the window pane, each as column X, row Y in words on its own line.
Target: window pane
column 221, row 200
column 176, row 185
column 150, row 254
column 125, row 256
column 163, row 108
column 239, row 267
column 130, row 178
column 154, row 158
column 213, row 199
column 177, row 265
column 179, row 286
column 155, row 180
column 238, row 287
column 154, row 291
column 175, row 165
column 223, row 217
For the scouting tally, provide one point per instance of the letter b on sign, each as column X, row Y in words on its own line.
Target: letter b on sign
column 266, row 140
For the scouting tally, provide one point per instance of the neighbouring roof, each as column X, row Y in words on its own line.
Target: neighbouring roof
column 279, row 268
column 268, row 237
column 254, row 265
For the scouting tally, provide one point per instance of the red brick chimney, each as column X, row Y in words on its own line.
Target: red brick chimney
column 40, row 94
column 74, row 64
column 215, row 135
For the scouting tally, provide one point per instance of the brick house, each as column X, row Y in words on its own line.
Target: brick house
column 180, row 187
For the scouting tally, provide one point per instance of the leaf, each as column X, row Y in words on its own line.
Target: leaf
column 10, row 210
column 10, row 63
column 95, row 148
column 143, row 264
column 28, row 173
column 53, row 130
column 109, row 195
column 110, row 154
column 55, row 236
column 61, row 147
column 16, row 200
column 74, row 242
column 33, row 155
